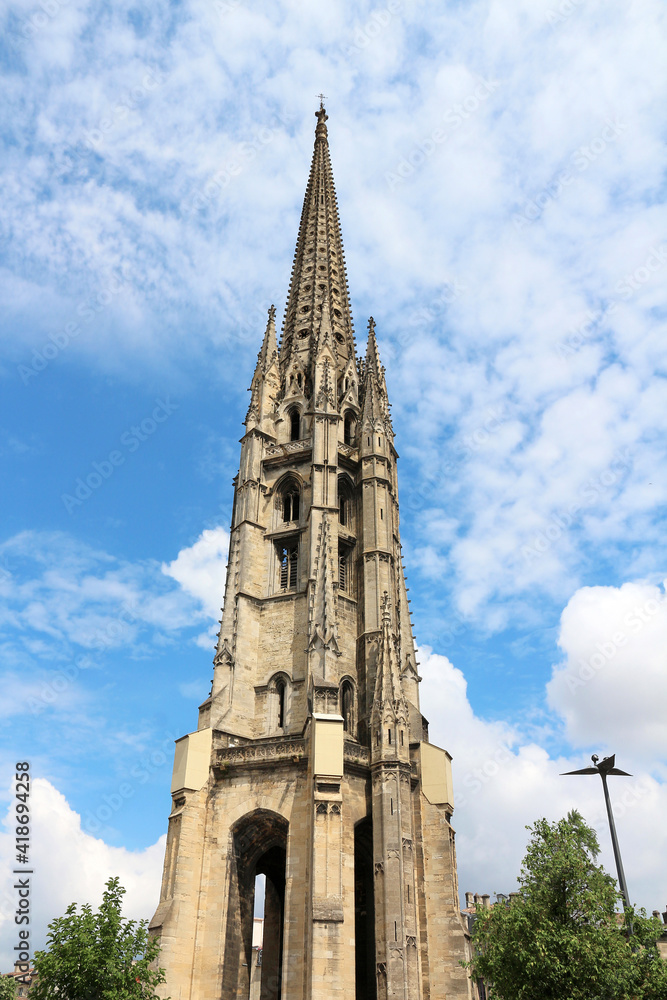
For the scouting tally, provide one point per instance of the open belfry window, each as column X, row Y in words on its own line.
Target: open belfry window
column 345, row 502
column 349, row 427
column 288, row 556
column 294, row 424
column 347, row 705
column 342, row 571
column 291, row 505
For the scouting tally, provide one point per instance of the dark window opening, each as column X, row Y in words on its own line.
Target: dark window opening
column 381, row 514
column 291, row 507
column 391, row 803
column 364, row 913
column 389, row 736
column 401, row 737
column 348, row 425
column 346, row 703
column 295, row 425
column 280, row 691
column 342, row 510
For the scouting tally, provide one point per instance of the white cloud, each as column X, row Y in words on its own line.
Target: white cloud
column 504, row 781
column 58, row 593
column 70, row 866
column 612, row 687
column 201, row 569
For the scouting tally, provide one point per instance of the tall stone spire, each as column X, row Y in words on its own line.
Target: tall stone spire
column 318, row 272
column 311, row 763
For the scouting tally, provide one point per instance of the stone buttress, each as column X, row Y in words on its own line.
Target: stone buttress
column 311, row 763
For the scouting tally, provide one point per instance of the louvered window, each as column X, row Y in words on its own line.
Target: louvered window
column 288, row 567
column 342, row 572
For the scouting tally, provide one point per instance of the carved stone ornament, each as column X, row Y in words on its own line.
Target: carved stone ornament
column 407, row 843
column 322, row 808
column 382, row 969
column 379, row 867
column 411, row 941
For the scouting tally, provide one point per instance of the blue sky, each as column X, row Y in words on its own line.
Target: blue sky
column 500, row 178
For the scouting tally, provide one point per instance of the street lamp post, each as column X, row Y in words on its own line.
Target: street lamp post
column 603, row 768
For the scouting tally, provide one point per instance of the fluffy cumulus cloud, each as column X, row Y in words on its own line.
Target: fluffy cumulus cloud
column 69, row 866
column 201, row 569
column 612, row 686
column 506, row 777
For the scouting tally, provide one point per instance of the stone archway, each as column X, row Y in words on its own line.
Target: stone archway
column 364, row 911
column 259, row 847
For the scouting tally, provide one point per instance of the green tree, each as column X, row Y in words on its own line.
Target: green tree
column 560, row 939
column 7, row 988
column 97, row 956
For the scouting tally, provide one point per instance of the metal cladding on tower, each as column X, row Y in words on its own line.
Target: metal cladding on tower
column 311, row 763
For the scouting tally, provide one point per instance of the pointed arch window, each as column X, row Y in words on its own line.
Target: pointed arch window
column 294, row 425
column 291, row 505
column 279, row 702
column 345, row 503
column 280, row 698
column 347, row 705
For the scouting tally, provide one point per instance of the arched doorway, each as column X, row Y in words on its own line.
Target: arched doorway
column 259, row 848
column 364, row 912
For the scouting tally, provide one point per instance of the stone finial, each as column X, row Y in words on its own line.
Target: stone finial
column 386, row 608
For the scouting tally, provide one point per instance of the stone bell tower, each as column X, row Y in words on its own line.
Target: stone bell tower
column 311, row 763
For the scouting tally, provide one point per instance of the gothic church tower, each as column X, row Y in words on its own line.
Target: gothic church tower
column 311, row 762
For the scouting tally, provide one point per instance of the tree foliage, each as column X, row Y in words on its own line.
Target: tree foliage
column 97, row 956
column 560, row 938
column 7, row 988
